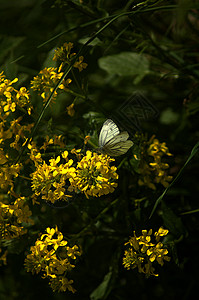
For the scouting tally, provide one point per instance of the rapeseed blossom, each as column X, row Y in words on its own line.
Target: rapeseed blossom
column 64, row 55
column 45, row 82
column 12, row 218
column 50, row 180
column 70, row 110
column 145, row 250
column 94, row 176
column 57, row 178
column 54, row 259
column 11, row 98
column 3, row 257
column 56, row 140
column 155, row 171
column 7, row 174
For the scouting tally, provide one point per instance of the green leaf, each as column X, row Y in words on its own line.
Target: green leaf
column 171, row 221
column 103, row 290
column 49, row 62
column 168, row 116
column 126, row 64
column 7, row 44
column 95, row 42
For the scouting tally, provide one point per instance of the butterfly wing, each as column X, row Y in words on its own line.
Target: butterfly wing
column 119, row 149
column 121, row 137
column 108, row 131
column 118, row 145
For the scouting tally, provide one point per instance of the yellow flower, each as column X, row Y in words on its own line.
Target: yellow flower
column 22, row 94
column 61, row 284
column 10, row 106
column 80, row 65
column 10, row 97
column 86, row 139
column 52, row 258
column 6, row 93
column 12, row 216
column 64, row 53
column 70, row 110
column 22, row 211
column 143, row 253
column 54, row 140
column 50, row 179
column 22, row 99
column 158, row 253
column 18, row 131
column 10, row 128
column 3, row 257
column 94, row 176
column 56, row 179
column 161, row 232
column 132, row 260
column 3, row 157
column 46, row 81
column 77, row 152
column 153, row 172
column 7, row 173
column 158, row 149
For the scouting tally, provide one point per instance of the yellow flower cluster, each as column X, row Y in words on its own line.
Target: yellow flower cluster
column 12, row 98
column 46, row 80
column 12, row 216
column 64, row 55
column 50, row 180
column 94, row 176
column 52, row 257
column 55, row 140
column 56, row 179
column 143, row 252
column 155, row 171
column 12, row 133
column 7, row 173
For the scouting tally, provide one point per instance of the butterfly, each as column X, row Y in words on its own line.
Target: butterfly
column 112, row 141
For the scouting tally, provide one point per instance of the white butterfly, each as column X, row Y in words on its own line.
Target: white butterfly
column 112, row 141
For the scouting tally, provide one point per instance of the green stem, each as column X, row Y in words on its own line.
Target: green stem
column 85, row 229
column 75, row 94
column 193, row 153
column 24, row 177
column 93, row 22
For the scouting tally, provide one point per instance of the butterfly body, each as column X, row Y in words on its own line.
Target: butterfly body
column 112, row 141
